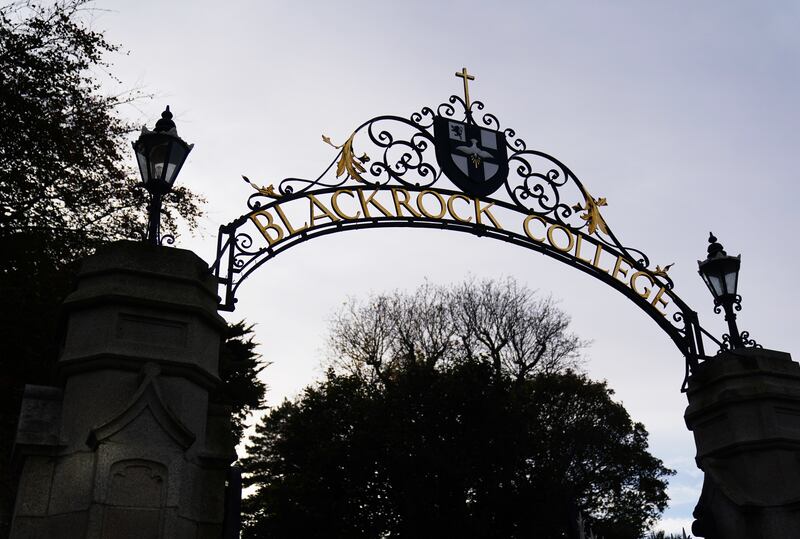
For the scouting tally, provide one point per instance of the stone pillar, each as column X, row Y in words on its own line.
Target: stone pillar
column 744, row 411
column 128, row 444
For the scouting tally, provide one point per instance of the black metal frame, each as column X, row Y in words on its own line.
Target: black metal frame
column 538, row 184
column 733, row 339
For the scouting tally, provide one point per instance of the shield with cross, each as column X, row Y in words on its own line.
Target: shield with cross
column 473, row 157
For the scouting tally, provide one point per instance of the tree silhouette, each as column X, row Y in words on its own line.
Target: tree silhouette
column 395, row 444
column 497, row 322
column 66, row 188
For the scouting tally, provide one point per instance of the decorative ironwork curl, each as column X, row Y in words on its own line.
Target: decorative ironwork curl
column 393, row 150
column 745, row 339
column 537, row 183
column 447, row 110
column 297, row 186
column 401, row 157
column 680, row 321
column 243, row 244
column 423, row 118
column 748, row 341
column 726, row 344
column 166, row 239
column 736, row 305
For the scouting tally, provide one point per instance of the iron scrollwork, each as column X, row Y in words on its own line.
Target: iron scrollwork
column 397, row 151
column 540, row 185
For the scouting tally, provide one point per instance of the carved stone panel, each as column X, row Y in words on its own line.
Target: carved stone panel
column 135, row 501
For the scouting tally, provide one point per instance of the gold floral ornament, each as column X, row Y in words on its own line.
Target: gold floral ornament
column 266, row 191
column 662, row 272
column 349, row 162
column 592, row 215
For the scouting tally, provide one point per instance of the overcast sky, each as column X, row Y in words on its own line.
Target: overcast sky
column 682, row 114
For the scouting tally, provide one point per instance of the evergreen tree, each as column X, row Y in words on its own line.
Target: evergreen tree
column 452, row 453
column 417, row 432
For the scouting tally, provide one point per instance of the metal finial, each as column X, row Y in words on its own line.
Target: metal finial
column 165, row 123
column 714, row 249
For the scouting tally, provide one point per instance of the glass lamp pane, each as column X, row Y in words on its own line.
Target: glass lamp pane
column 158, row 157
column 706, row 280
column 141, row 159
column 730, row 282
column 170, row 175
column 716, row 284
column 176, row 158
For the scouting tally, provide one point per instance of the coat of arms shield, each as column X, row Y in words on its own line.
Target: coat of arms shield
column 473, row 157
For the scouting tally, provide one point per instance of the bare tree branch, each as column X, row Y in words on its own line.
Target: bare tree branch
column 497, row 322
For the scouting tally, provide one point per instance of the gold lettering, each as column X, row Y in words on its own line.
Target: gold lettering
column 552, row 241
column 618, row 268
column 526, row 223
column 404, row 203
column 578, row 241
column 326, row 213
column 269, row 226
column 370, row 200
column 658, row 299
column 479, row 211
column 646, row 291
column 337, row 209
column 286, row 222
column 450, row 207
column 596, row 262
column 442, row 206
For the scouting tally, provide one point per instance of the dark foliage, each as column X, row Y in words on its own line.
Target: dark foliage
column 450, row 452
column 664, row 535
column 65, row 188
column 239, row 365
column 64, row 148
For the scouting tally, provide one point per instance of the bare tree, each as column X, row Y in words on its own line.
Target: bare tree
column 393, row 330
column 360, row 337
column 499, row 322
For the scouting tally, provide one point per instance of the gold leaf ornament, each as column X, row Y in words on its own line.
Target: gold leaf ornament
column 662, row 271
column 348, row 162
column 592, row 213
column 266, row 191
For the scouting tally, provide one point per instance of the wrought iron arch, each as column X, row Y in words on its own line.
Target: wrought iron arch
column 400, row 161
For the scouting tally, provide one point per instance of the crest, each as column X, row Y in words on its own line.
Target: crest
column 473, row 157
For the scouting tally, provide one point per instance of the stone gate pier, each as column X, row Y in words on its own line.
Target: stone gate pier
column 744, row 411
column 128, row 445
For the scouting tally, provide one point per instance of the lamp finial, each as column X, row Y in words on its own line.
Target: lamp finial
column 715, row 248
column 165, row 123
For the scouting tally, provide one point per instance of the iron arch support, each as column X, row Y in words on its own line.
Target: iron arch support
column 239, row 253
column 479, row 178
